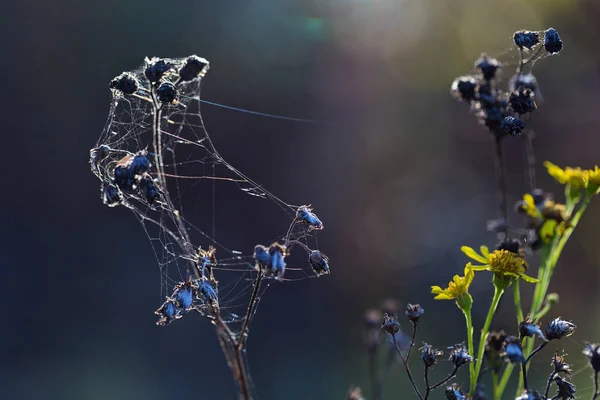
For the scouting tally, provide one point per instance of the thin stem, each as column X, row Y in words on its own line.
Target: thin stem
column 251, row 307
column 484, row 332
column 596, row 387
column 446, row 379
column 495, row 384
column 524, row 368
column 412, row 341
column 530, row 159
column 504, row 380
column 501, row 176
column 537, row 350
column 550, row 378
column 517, row 299
column 410, row 377
column 427, row 381
column 469, row 322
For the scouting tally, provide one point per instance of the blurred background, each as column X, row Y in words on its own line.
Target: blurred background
column 402, row 178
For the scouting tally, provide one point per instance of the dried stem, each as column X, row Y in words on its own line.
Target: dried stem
column 251, row 307
column 501, row 176
column 596, row 387
column 550, row 378
column 537, row 350
column 404, row 361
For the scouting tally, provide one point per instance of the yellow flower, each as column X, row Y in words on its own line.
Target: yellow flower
column 502, row 262
column 457, row 287
column 528, row 206
column 576, row 177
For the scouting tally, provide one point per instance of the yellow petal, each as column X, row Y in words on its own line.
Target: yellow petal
column 436, row 290
column 484, row 251
column 480, row 268
column 442, row 296
column 469, row 252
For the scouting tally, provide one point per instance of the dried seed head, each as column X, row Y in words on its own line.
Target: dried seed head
column 429, row 355
column 166, row 93
column 566, row 390
column 522, row 101
column 559, row 364
column 513, row 350
column 454, row 392
column 168, row 312
column 512, row 126
column 390, row 324
column 487, row 66
column 459, row 355
column 155, row 69
column 493, row 349
column 192, row 68
column 559, row 329
column 318, row 262
column 414, row 312
column 552, row 42
column 111, row 196
column 465, row 88
column 592, row 351
column 125, row 83
column 526, row 39
column 528, row 328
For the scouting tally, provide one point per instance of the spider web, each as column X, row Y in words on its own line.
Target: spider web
column 173, row 171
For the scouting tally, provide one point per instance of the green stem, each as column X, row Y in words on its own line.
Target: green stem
column 517, row 297
column 498, row 291
column 504, row 381
column 469, row 321
column 495, row 383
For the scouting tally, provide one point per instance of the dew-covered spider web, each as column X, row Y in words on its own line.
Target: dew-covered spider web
column 156, row 158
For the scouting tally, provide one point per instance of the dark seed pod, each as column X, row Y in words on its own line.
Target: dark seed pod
column 512, row 126
column 111, row 195
column 414, row 312
column 149, row 190
column 390, row 324
column 155, row 69
column 488, row 66
column 192, row 68
column 168, row 312
column 552, row 42
column 125, row 83
column 526, row 39
column 318, row 262
column 522, row 101
column 592, row 352
column 166, row 93
column 465, row 88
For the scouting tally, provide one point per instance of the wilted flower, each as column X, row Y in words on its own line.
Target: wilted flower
column 501, row 262
column 528, row 328
column 566, row 390
column 126, row 83
column 559, row 328
column 522, row 101
column 208, row 292
column 465, row 88
column 558, row 362
column 592, row 351
column 168, row 312
column 552, row 42
column 488, row 66
column 454, row 392
column 390, row 324
column 414, row 312
column 319, row 262
column 429, row 355
column 512, row 126
column 166, row 93
column 305, row 214
column 459, row 355
column 526, row 39
column 513, row 350
column 494, row 344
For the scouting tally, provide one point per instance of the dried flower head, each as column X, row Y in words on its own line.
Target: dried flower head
column 528, row 328
column 414, row 312
column 454, row 392
column 552, row 41
column 592, row 352
column 559, row 364
column 513, row 350
column 494, row 345
column 430, row 355
column 465, row 88
column 125, row 83
column 319, row 262
column 166, row 93
column 390, row 324
column 487, row 66
column 559, row 328
column 459, row 355
column 526, row 39
column 566, row 390
column 512, row 126
column 522, row 101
